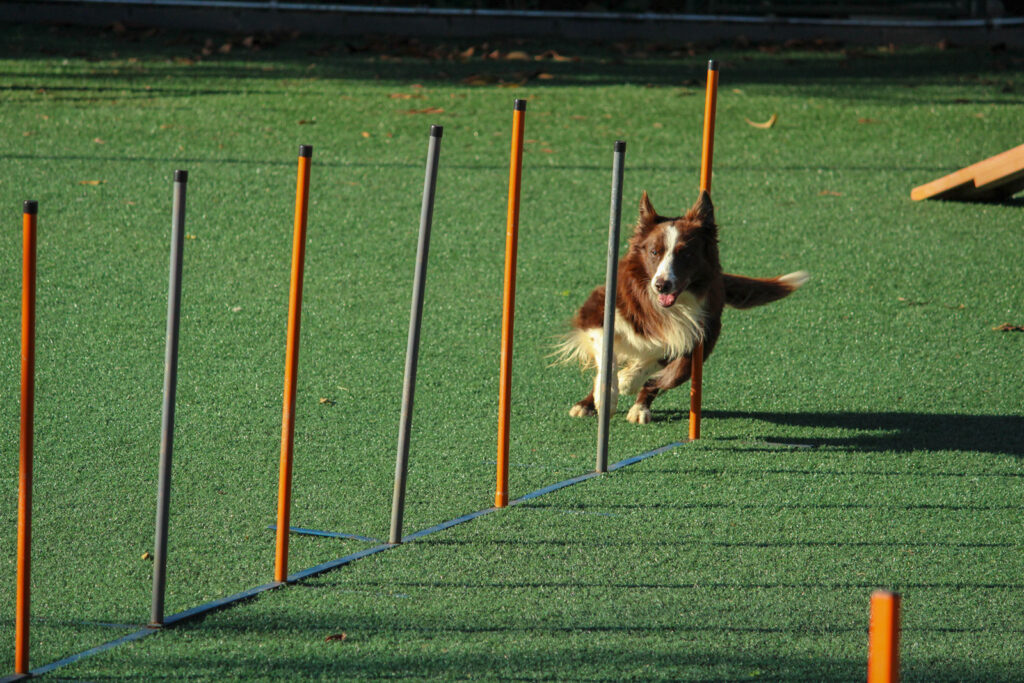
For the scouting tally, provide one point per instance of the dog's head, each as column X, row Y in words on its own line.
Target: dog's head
column 678, row 254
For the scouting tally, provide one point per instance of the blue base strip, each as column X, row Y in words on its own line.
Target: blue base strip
column 643, row 456
column 141, row 633
column 328, row 534
column 326, row 566
column 341, row 561
column 219, row 604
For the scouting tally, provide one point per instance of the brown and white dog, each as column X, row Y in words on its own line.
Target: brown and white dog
column 670, row 295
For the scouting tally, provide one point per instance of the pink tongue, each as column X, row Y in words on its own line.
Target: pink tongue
column 666, row 300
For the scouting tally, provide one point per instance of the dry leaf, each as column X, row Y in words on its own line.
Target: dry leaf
column 365, row 134
column 428, row 110
column 867, row 120
column 517, row 55
column 91, row 182
column 303, row 122
column 147, row 556
column 544, row 76
column 766, row 125
column 99, row 141
column 326, row 401
column 830, row 193
column 336, row 638
column 1007, row 327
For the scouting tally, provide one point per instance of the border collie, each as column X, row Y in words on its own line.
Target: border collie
column 670, row 295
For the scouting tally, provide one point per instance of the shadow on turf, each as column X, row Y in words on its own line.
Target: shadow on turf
column 391, row 647
column 899, row 432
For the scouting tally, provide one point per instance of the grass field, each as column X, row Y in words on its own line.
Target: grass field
column 866, row 433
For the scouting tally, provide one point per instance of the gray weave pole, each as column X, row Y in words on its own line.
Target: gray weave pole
column 413, row 349
column 611, row 280
column 163, row 496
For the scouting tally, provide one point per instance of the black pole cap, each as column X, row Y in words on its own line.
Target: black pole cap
column 436, row 131
column 520, row 105
column 31, row 207
column 620, row 145
column 181, row 176
column 712, row 65
column 306, row 151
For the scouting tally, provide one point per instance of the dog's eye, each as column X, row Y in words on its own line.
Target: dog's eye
column 655, row 251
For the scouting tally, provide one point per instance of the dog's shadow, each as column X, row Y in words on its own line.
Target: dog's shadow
column 881, row 431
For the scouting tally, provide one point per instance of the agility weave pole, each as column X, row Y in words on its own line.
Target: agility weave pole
column 707, row 153
column 252, row 593
column 884, row 638
column 509, row 302
column 610, row 289
column 25, row 451
column 291, row 367
column 412, row 351
column 163, row 496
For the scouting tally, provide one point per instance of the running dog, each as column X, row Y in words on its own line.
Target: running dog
column 670, row 295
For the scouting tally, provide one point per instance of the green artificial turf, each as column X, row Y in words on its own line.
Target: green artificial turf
column 865, row 433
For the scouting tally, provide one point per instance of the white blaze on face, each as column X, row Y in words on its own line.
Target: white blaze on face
column 664, row 270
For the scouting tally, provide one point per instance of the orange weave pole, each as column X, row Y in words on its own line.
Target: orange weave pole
column 509, row 302
column 28, row 364
column 707, row 153
column 884, row 638
column 291, row 366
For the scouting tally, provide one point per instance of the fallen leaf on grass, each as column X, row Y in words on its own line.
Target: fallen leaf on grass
column 99, row 141
column 91, row 182
column 1007, row 327
column 427, row 110
column 147, row 556
column 830, row 193
column 326, row 402
column 303, row 122
column 867, row 120
column 517, row 55
column 365, row 134
column 766, row 125
column 405, row 96
column 336, row 638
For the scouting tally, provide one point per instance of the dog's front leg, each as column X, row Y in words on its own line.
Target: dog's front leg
column 674, row 374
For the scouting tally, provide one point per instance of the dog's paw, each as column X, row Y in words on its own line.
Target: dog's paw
column 639, row 415
column 582, row 410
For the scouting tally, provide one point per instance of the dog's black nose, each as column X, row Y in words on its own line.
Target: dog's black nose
column 662, row 285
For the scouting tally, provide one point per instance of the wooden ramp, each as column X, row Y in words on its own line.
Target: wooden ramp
column 995, row 178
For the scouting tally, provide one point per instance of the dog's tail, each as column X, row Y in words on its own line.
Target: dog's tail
column 747, row 292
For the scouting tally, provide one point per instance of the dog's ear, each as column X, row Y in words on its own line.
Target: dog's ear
column 648, row 216
column 703, row 211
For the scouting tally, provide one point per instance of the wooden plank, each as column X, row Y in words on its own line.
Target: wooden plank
column 997, row 177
